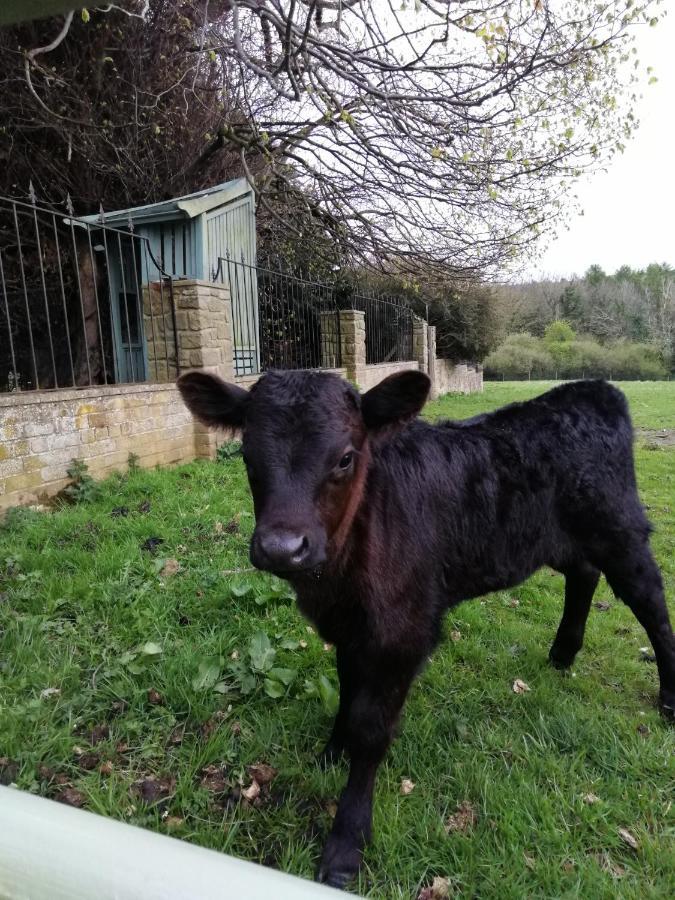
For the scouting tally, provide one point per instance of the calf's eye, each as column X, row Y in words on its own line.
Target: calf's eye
column 346, row 461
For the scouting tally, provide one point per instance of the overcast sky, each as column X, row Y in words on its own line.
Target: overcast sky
column 629, row 211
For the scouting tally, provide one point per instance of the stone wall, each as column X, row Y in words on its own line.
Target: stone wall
column 457, row 379
column 42, row 431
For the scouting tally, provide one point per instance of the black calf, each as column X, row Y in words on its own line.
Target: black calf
column 381, row 521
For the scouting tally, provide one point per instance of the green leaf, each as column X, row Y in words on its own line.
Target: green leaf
column 247, row 683
column 241, row 588
column 330, row 698
column 289, row 644
column 85, row 15
column 285, row 676
column 274, row 689
column 136, row 668
column 222, row 687
column 261, row 652
column 207, row 675
column 151, row 649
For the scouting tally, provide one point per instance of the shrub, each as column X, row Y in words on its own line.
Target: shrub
column 525, row 356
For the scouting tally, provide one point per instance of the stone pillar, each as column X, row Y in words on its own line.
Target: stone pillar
column 431, row 360
column 353, row 344
column 421, row 344
column 203, row 328
column 203, row 318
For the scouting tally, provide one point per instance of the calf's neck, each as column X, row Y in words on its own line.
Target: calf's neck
column 381, row 522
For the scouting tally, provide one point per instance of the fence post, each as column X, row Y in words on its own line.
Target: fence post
column 353, row 344
column 431, row 360
column 421, row 344
column 202, row 338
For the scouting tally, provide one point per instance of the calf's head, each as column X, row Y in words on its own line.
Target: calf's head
column 306, row 445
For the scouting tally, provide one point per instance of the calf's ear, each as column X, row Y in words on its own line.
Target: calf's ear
column 395, row 399
column 212, row 401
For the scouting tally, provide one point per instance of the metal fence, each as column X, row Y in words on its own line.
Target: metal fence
column 284, row 321
column 72, row 310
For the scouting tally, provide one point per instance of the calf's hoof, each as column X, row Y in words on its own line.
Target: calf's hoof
column 330, row 755
column 667, row 707
column 340, row 863
column 559, row 658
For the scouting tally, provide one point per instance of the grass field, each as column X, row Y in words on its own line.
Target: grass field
column 139, row 683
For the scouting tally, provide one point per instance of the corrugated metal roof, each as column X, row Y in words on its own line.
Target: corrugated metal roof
column 187, row 207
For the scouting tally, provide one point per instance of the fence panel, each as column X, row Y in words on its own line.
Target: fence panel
column 280, row 321
column 283, row 321
column 74, row 309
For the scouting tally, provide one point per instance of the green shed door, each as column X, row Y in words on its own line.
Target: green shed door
column 231, row 248
column 126, row 312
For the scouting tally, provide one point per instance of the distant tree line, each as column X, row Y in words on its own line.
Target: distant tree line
column 620, row 325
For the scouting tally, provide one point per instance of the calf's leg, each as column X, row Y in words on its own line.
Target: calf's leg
column 581, row 581
column 367, row 730
column 336, row 742
column 635, row 578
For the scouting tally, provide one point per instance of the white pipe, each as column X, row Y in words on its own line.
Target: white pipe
column 49, row 851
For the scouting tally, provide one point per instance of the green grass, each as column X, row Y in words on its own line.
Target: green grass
column 84, row 610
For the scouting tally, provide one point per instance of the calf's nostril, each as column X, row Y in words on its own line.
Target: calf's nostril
column 300, row 551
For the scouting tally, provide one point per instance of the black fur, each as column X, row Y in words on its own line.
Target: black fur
column 446, row 512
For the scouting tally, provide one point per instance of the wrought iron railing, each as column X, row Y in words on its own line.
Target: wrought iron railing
column 285, row 321
column 74, row 311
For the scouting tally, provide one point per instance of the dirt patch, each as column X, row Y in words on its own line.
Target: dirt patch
column 661, row 437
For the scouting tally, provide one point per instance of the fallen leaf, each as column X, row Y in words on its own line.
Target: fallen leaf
column 439, row 889
column 463, row 819
column 607, row 864
column 173, row 822
column 252, row 792
column 407, row 786
column 144, row 507
column 262, row 773
column 152, row 789
column 171, row 567
column 46, row 773
column 629, row 838
column 98, row 733
column 514, row 602
column 331, row 808
column 568, row 865
column 213, row 779
column 530, row 861
column 327, row 647
column 235, row 728
column 106, row 768
column 234, row 654
column 49, row 692
column 71, row 797
column 152, row 543
column 303, row 645
column 643, row 729
column 520, row 687
column 155, row 697
column 590, row 799
column 8, row 770
column 89, row 761
column 455, row 635
column 602, row 606
column 218, row 528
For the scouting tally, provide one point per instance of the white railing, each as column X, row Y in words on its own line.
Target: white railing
column 53, row 852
